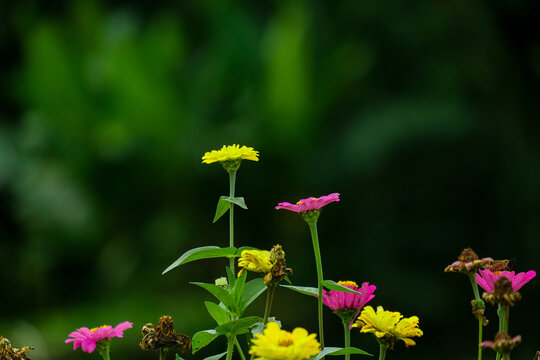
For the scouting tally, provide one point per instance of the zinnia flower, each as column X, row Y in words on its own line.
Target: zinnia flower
column 348, row 305
column 503, row 343
column 468, row 261
column 255, row 260
column 231, row 156
column 486, row 279
column 308, row 204
column 88, row 338
column 277, row 344
column 388, row 326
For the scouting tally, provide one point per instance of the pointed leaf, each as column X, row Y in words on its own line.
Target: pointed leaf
column 332, row 285
column 217, row 312
column 252, row 290
column 333, row 351
column 238, row 289
column 230, row 276
column 221, row 294
column 311, row 291
column 216, row 357
column 204, row 252
column 202, row 338
column 238, row 326
column 178, row 357
column 238, row 201
column 223, row 206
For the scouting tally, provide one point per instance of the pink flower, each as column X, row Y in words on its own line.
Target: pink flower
column 88, row 338
column 486, row 279
column 349, row 304
column 309, row 203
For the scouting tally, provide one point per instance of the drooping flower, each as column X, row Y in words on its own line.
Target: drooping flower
column 348, row 305
column 468, row 261
column 502, row 293
column 486, row 279
column 231, row 156
column 89, row 338
column 308, row 204
column 272, row 263
column 255, row 260
column 503, row 343
column 163, row 337
column 10, row 353
column 277, row 344
column 388, row 326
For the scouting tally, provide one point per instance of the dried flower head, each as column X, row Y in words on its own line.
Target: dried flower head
column 487, row 278
column 502, row 293
column 279, row 268
column 163, row 336
column 468, row 261
column 10, row 353
column 271, row 263
column 503, row 343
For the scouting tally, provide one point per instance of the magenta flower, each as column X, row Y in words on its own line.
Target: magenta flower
column 88, row 338
column 309, row 203
column 348, row 305
column 486, row 279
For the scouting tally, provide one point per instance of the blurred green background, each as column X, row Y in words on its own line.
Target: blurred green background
column 423, row 115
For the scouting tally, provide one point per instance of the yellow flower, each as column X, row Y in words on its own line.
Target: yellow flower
column 231, row 152
column 255, row 260
column 277, row 344
column 388, row 326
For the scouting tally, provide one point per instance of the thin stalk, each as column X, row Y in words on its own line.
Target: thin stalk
column 232, row 184
column 239, row 348
column 105, row 355
column 382, row 351
column 269, row 299
column 318, row 262
column 230, row 344
column 480, row 325
column 347, row 333
column 162, row 354
column 500, row 313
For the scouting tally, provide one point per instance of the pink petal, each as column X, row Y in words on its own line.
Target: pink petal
column 120, row 328
column 522, row 278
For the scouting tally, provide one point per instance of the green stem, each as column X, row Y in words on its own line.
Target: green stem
column 500, row 313
column 239, row 348
column 347, row 333
column 382, row 351
column 478, row 299
column 105, row 355
column 162, row 354
column 232, row 184
column 317, row 251
column 230, row 344
column 269, row 299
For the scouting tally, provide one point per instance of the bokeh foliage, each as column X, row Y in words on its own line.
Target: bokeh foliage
column 423, row 115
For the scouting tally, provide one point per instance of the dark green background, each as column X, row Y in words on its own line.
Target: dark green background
column 422, row 114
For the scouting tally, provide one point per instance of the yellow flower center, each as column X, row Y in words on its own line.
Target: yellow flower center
column 99, row 327
column 286, row 341
column 348, row 283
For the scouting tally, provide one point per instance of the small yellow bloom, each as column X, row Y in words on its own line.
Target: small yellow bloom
column 231, row 152
column 388, row 326
column 255, row 260
column 277, row 344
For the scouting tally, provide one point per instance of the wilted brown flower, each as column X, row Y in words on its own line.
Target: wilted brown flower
column 468, row 261
column 503, row 343
column 279, row 269
column 163, row 336
column 10, row 353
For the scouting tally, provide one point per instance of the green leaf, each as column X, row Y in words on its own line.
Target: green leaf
column 237, row 201
column 287, row 280
column 238, row 326
column 332, row 285
column 178, row 357
column 216, row 357
column 223, row 206
column 221, row 294
column 217, row 312
column 204, row 252
column 334, row 351
column 311, row 291
column 202, row 338
column 230, row 276
column 252, row 290
column 238, row 289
